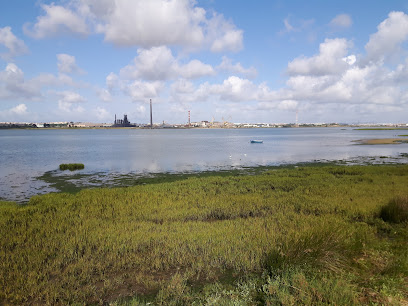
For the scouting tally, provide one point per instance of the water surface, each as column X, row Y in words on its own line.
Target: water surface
column 27, row 154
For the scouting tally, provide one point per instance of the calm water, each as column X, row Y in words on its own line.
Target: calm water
column 27, row 154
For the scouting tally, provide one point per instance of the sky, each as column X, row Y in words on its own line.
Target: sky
column 258, row 61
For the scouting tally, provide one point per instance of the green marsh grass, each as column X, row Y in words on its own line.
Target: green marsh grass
column 71, row 167
column 306, row 235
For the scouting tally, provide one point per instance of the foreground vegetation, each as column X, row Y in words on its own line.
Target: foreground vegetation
column 300, row 235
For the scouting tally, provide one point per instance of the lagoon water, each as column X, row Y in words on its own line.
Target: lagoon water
column 28, row 154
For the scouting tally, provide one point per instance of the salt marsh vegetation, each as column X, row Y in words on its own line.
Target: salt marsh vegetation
column 71, row 167
column 296, row 235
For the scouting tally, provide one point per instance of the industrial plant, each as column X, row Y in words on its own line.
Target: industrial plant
column 125, row 122
column 122, row 122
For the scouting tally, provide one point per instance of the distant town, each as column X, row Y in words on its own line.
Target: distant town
column 200, row 124
column 125, row 123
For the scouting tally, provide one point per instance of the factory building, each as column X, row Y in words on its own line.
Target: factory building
column 122, row 122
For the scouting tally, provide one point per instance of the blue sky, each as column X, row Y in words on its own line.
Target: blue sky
column 258, row 61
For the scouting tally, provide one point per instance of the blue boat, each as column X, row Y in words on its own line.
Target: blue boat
column 256, row 141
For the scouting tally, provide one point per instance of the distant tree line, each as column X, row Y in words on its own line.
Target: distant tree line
column 18, row 126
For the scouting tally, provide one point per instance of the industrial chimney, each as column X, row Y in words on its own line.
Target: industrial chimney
column 151, row 115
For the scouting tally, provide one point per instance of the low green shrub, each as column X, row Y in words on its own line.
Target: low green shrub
column 396, row 210
column 71, row 167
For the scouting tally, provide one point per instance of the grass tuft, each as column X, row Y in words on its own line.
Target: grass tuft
column 324, row 247
column 71, row 167
column 396, row 210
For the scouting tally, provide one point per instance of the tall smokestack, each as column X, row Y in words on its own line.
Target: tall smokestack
column 297, row 123
column 151, row 115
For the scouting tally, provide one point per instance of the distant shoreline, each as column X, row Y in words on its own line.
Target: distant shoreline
column 355, row 128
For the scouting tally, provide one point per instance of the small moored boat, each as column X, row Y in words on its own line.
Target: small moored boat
column 256, row 141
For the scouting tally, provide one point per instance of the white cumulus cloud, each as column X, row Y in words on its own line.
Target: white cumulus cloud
column 328, row 61
column 57, row 20
column 150, row 23
column 334, row 81
column 235, row 89
column 111, row 81
column 14, row 45
column 228, row 66
column 386, row 42
column 285, row 105
column 102, row 114
column 69, row 101
column 20, row 109
column 70, row 97
column 158, row 63
column 223, row 35
column 141, row 91
column 104, row 95
column 17, row 112
column 184, row 91
column 67, row 64
column 140, row 23
column 14, row 86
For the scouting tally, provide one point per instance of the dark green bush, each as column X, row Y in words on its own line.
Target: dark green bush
column 396, row 210
column 71, row 167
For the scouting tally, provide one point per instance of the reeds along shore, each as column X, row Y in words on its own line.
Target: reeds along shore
column 305, row 235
